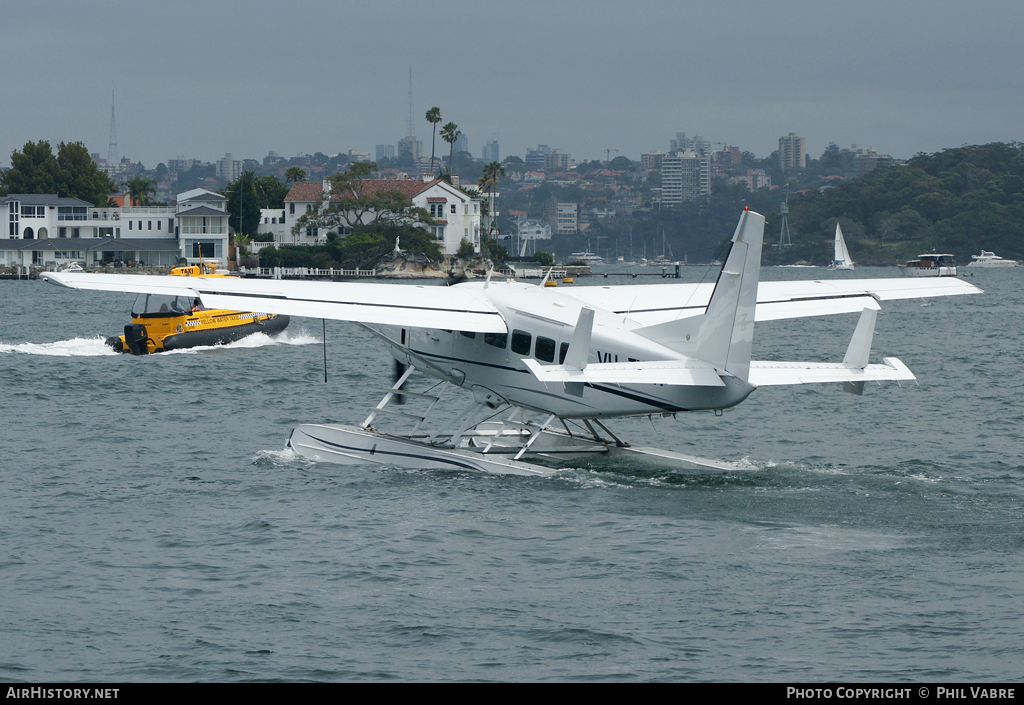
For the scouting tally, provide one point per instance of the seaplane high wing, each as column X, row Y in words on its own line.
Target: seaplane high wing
column 413, row 306
column 594, row 353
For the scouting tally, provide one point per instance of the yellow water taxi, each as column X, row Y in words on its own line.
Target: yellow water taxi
column 164, row 322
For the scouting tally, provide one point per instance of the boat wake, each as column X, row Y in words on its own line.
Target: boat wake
column 95, row 347
column 75, row 347
column 259, row 340
column 256, row 340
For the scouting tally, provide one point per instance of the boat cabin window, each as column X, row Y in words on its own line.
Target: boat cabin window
column 545, row 350
column 467, row 333
column 498, row 340
column 160, row 304
column 561, row 353
column 521, row 342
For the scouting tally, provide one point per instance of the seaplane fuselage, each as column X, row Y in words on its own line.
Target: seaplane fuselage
column 541, row 323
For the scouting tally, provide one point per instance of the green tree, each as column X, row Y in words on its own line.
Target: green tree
column 356, row 200
column 433, row 117
column 70, row 174
column 33, row 170
column 449, row 133
column 621, row 164
column 79, row 177
column 243, row 201
column 495, row 250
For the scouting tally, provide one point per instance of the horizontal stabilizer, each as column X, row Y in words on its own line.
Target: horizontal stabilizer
column 766, row 374
column 673, row 372
column 651, row 304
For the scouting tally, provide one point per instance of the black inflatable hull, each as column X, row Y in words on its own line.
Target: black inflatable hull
column 220, row 336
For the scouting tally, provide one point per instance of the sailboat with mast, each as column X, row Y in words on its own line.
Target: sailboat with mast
column 662, row 259
column 842, row 255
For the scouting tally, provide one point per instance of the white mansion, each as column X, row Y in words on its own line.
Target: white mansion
column 456, row 214
column 47, row 230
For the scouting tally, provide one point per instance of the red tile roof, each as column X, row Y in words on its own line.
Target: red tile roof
column 305, row 191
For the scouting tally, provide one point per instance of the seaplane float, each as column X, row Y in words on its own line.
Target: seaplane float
column 543, row 370
column 162, row 321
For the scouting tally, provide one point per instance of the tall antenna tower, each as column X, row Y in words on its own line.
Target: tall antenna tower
column 784, row 238
column 112, row 149
column 410, row 127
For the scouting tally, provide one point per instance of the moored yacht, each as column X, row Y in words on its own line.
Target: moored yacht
column 930, row 265
column 990, row 259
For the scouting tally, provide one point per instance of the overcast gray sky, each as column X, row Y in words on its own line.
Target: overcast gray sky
column 199, row 79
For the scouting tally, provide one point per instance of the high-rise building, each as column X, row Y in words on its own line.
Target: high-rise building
column 792, row 152
column 228, row 168
column 491, row 152
column 535, row 158
column 567, row 218
column 685, row 176
column 557, row 160
column 696, row 144
column 651, row 160
column 385, row 151
column 411, row 146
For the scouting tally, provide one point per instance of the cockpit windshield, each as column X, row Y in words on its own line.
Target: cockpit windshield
column 161, row 305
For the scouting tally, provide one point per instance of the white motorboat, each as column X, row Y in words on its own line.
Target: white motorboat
column 585, row 258
column 930, row 265
column 990, row 259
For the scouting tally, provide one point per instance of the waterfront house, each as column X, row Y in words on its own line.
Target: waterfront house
column 46, row 230
column 456, row 214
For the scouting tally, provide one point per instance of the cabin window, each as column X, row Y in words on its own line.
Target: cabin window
column 467, row 333
column 521, row 342
column 498, row 340
column 545, row 350
column 155, row 304
column 561, row 353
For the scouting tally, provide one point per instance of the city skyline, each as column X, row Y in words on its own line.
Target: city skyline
column 203, row 80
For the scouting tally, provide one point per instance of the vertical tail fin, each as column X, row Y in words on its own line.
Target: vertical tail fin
column 723, row 335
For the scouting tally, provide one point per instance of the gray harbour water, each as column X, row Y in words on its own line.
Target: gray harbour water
column 153, row 528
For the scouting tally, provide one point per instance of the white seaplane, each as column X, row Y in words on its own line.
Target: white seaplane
column 545, row 368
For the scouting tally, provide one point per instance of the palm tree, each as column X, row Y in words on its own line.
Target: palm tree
column 294, row 175
column 488, row 182
column 450, row 133
column 138, row 187
column 433, row 117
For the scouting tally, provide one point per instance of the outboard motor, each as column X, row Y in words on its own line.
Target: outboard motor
column 114, row 342
column 135, row 338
